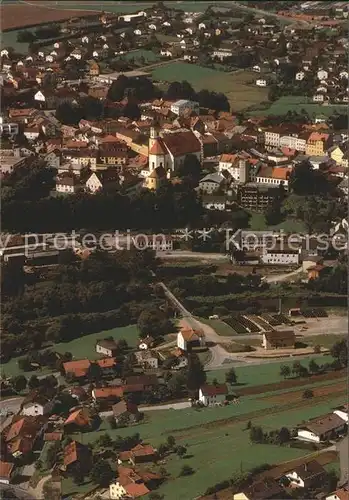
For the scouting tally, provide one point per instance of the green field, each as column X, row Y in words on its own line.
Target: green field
column 127, row 8
column 83, row 347
column 257, row 223
column 148, row 55
column 238, row 86
column 9, row 39
column 266, row 373
column 297, row 103
column 323, row 340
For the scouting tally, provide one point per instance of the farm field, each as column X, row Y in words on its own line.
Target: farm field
column 83, row 347
column 324, row 390
column 297, row 103
column 235, row 85
column 219, row 326
column 21, row 14
column 200, row 432
column 124, row 7
column 267, row 373
column 323, row 340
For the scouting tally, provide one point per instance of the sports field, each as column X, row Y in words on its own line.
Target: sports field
column 238, row 86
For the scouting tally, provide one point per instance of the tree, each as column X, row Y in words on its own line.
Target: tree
column 191, row 167
column 285, row 371
column 162, row 449
column 33, row 382
column 249, row 425
column 102, row 473
column 284, row 435
column 256, row 435
column 25, row 36
column 19, row 383
column 308, row 394
column 111, row 422
column 68, row 114
column 231, row 377
column 51, row 455
column 313, row 366
column 105, row 440
column 339, row 351
column 171, row 441
column 186, row 470
column 181, row 451
column 153, row 322
column 196, row 376
column 131, row 110
column 117, row 89
column 94, row 372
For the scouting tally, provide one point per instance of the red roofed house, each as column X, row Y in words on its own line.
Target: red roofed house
column 107, row 396
column 6, row 469
column 79, row 419
column 77, row 455
column 129, row 485
column 188, row 338
column 139, row 454
column 170, row 150
column 20, row 437
column 213, row 394
column 78, row 368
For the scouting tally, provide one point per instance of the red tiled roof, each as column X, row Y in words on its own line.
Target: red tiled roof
column 214, row 390
column 53, row 436
column 5, row 469
column 136, row 490
column 78, row 368
column 106, row 362
column 157, row 148
column 79, row 417
column 181, row 143
column 108, row 392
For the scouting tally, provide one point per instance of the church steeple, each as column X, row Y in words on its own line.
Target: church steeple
column 155, row 130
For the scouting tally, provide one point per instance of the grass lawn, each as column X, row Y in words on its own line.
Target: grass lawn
column 266, row 373
column 83, row 347
column 324, row 340
column 219, row 326
column 69, row 488
column 238, row 86
column 297, row 103
column 148, row 55
column 257, row 223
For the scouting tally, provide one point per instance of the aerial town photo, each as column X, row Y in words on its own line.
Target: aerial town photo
column 174, row 250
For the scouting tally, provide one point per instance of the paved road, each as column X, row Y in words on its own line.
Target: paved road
column 277, row 278
column 343, row 448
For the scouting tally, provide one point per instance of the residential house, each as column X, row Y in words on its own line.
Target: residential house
column 321, row 428
column 342, row 412
column 78, row 420
column 273, row 175
column 262, row 490
column 78, row 393
column 124, row 410
column 21, row 435
column 297, row 142
column 53, row 159
column 77, row 369
column 106, row 396
column 218, row 202
column 133, row 483
column 222, row 53
column 6, row 472
column 210, row 394
column 106, row 180
column 341, row 493
column 272, row 137
column 188, row 338
column 82, row 157
column 278, row 339
column 256, row 197
column 307, row 475
column 179, row 107
column 139, row 454
column 37, row 404
column 180, row 359
column 280, row 256
column 107, row 347
column 112, row 151
column 77, row 455
column 316, row 144
column 31, row 133
column 336, row 154
column 68, row 183
column 53, row 436
column 212, row 183
column 147, row 359
column 148, row 382
column 261, row 82
column 146, row 343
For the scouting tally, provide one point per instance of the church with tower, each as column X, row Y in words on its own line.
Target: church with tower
column 168, row 150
